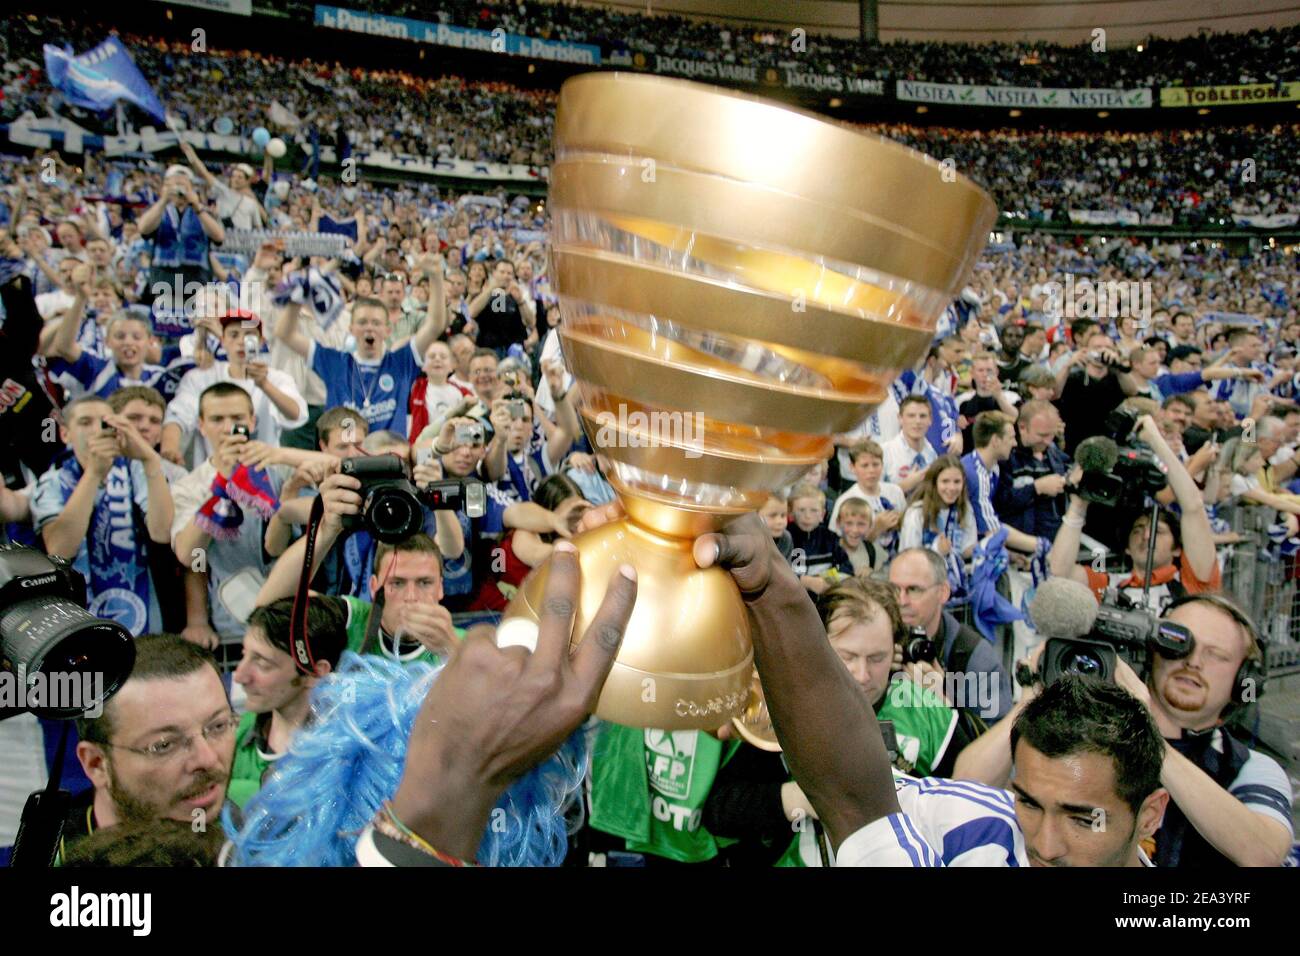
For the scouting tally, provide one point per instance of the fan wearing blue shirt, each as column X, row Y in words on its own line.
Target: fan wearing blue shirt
column 995, row 438
column 127, row 336
column 375, row 380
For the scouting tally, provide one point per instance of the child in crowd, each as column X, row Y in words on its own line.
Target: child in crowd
column 776, row 512
column 855, row 522
column 886, row 500
column 816, row 550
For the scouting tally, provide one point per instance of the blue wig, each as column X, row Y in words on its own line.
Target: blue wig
column 343, row 766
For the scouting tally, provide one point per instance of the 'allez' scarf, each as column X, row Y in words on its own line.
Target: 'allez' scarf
column 119, row 566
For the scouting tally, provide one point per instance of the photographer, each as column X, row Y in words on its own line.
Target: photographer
column 525, row 448
column 203, row 505
column 1092, row 383
column 183, row 229
column 920, row 576
column 1189, row 541
column 1030, row 496
column 1229, row 805
column 276, row 400
column 161, row 749
column 100, row 505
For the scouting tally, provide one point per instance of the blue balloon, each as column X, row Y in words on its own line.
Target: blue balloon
column 260, row 136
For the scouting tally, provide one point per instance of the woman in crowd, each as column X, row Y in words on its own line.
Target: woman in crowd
column 940, row 518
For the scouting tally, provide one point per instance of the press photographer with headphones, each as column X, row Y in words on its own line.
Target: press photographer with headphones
column 1229, row 805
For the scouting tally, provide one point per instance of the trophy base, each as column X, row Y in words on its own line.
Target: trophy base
column 686, row 660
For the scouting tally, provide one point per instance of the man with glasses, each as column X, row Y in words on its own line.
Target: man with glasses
column 920, row 577
column 162, row 746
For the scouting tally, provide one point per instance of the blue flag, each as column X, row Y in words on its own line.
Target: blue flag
column 100, row 77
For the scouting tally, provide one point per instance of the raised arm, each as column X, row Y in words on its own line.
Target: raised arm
column 829, row 733
column 288, row 331
column 435, row 314
column 1197, row 535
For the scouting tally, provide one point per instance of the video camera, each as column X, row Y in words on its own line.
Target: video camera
column 1122, row 629
column 49, row 640
column 393, row 506
column 1117, row 471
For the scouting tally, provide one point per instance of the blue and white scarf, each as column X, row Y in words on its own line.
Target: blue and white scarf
column 119, row 565
column 957, row 577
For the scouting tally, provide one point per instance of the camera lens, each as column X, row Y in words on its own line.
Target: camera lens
column 1084, row 663
column 52, row 636
column 393, row 515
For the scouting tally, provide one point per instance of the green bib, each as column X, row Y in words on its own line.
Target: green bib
column 923, row 724
column 359, row 617
column 249, row 765
column 649, row 787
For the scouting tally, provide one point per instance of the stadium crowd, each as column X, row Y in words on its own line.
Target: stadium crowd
column 174, row 409
column 1180, row 177
column 1255, row 56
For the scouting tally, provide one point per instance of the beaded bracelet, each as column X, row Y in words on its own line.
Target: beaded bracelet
column 388, row 823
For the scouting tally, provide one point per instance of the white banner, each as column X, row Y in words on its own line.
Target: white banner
column 1278, row 220
column 952, row 94
column 45, row 132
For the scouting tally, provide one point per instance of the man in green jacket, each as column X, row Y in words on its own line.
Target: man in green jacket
column 279, row 696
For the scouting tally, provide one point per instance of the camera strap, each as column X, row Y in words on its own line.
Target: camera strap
column 299, row 640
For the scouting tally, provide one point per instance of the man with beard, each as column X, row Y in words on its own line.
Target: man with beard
column 1229, row 805
column 162, row 746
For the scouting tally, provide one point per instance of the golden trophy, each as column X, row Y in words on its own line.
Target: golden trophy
column 739, row 281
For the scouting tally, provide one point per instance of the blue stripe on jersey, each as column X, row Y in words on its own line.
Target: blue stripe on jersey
column 1263, row 796
column 904, row 838
column 929, row 856
column 1001, row 810
column 969, row 787
column 986, row 831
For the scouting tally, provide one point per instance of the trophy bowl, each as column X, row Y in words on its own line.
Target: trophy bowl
column 738, row 282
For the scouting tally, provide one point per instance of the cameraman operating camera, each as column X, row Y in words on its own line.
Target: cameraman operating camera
column 1092, row 383
column 1184, row 561
column 1228, row 805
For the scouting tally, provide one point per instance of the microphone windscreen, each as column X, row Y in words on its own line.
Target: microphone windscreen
column 1098, row 453
column 1063, row 608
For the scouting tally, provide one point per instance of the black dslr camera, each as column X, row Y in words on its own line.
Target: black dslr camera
column 1136, row 473
column 392, row 507
column 50, row 646
column 1121, row 630
column 918, row 647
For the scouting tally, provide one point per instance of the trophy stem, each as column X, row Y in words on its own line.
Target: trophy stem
column 671, row 519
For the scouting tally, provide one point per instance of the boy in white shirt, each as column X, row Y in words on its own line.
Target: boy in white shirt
column 907, row 456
